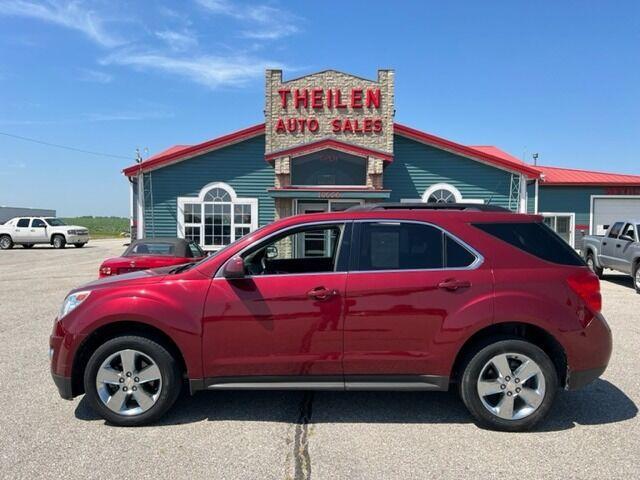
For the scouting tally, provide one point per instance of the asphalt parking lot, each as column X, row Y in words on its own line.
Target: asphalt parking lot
column 592, row 433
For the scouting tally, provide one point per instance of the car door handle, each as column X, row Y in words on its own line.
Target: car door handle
column 453, row 284
column 618, row 246
column 604, row 243
column 321, row 293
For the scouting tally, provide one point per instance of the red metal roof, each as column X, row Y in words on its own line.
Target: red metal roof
column 330, row 143
column 492, row 150
column 571, row 176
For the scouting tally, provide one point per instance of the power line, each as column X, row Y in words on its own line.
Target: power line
column 66, row 147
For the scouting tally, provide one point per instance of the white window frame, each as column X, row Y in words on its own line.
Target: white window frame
column 443, row 186
column 572, row 223
column 235, row 200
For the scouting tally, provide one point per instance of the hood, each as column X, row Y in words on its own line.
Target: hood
column 141, row 277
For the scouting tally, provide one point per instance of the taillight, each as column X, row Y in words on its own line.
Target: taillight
column 587, row 286
column 105, row 271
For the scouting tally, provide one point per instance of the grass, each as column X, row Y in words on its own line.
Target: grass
column 101, row 227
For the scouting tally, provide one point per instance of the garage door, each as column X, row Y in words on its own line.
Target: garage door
column 607, row 210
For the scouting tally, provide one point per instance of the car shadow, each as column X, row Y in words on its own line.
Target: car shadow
column 599, row 403
column 622, row 280
column 20, row 248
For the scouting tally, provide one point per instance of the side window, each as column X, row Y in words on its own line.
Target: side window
column 307, row 250
column 399, row 246
column 456, row 255
column 37, row 223
column 629, row 232
column 23, row 223
column 195, row 250
column 615, row 230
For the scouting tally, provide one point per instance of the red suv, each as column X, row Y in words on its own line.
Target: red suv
column 387, row 297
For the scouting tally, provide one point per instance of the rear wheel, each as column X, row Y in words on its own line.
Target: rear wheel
column 5, row 242
column 591, row 263
column 58, row 241
column 131, row 380
column 509, row 385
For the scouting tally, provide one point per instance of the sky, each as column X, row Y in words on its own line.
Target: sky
column 558, row 78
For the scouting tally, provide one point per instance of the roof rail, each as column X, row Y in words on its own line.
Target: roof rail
column 472, row 207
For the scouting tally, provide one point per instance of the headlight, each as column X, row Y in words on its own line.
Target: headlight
column 73, row 232
column 72, row 301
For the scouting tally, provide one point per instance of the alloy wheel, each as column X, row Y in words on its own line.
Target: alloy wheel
column 5, row 242
column 511, row 386
column 129, row 382
column 638, row 278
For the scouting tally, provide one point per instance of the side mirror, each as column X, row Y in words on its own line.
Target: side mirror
column 272, row 252
column 234, row 268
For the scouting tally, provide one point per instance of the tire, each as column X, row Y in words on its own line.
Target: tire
column 540, row 389
column 5, row 242
column 58, row 241
column 78, row 245
column 158, row 395
column 591, row 263
column 27, row 245
column 636, row 277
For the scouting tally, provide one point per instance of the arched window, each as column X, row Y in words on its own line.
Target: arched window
column 442, row 193
column 216, row 217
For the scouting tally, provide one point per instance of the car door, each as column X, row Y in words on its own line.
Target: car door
column 37, row 231
column 623, row 243
column 21, row 230
column 412, row 292
column 283, row 321
column 609, row 242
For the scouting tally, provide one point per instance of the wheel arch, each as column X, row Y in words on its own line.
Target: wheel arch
column 57, row 233
column 527, row 331
column 113, row 330
column 591, row 250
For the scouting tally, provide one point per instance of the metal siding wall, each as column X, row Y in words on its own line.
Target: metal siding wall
column 531, row 198
column 241, row 165
column 568, row 199
column 417, row 166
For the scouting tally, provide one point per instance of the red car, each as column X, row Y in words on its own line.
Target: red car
column 388, row 297
column 152, row 253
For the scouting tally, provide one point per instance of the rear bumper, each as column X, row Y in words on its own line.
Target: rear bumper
column 582, row 378
column 64, row 386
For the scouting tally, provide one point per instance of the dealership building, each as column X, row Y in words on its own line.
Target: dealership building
column 330, row 141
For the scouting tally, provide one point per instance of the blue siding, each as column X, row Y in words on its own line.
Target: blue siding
column 417, row 166
column 531, row 198
column 241, row 165
column 568, row 199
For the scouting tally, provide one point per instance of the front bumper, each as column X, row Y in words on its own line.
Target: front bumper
column 64, row 386
column 582, row 378
column 77, row 238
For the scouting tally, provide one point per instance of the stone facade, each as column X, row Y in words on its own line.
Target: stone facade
column 329, row 80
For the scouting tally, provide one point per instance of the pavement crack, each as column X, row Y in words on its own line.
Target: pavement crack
column 299, row 464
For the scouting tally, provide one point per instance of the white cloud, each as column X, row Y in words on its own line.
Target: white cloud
column 264, row 22
column 178, row 41
column 209, row 70
column 68, row 14
column 87, row 75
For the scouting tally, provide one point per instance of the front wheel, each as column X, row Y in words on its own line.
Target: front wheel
column 509, row 385
column 131, row 380
column 636, row 277
column 591, row 263
column 59, row 241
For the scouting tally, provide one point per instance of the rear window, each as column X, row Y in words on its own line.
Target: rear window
column 536, row 239
column 152, row 249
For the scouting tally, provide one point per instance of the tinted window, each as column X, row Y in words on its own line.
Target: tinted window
column 55, row 222
column 615, row 230
column 38, row 223
column 534, row 238
column 629, row 232
column 399, row 246
column 152, row 249
column 457, row 256
column 195, row 250
column 23, row 222
column 306, row 250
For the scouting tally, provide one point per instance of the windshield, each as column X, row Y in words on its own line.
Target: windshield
column 55, row 222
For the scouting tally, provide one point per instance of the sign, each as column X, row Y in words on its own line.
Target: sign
column 329, row 104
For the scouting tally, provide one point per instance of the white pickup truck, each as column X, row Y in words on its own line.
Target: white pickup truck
column 29, row 231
